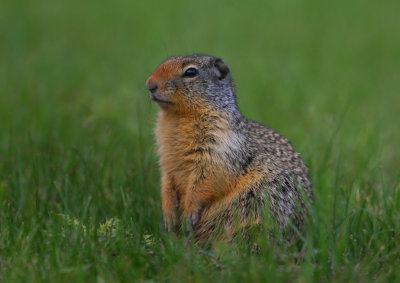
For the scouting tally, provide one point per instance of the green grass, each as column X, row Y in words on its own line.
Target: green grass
column 77, row 146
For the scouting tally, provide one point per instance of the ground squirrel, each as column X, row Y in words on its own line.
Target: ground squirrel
column 219, row 169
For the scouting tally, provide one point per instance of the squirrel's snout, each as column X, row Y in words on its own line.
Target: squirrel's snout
column 151, row 86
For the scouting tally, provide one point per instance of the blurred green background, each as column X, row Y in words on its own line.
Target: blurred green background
column 76, row 123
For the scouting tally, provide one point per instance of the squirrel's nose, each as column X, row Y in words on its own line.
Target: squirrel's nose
column 151, row 86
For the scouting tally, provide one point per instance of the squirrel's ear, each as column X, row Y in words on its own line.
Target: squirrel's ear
column 221, row 69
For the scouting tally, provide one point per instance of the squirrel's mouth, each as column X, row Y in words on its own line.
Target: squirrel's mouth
column 160, row 100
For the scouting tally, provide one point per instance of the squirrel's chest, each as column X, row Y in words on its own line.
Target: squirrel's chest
column 181, row 143
column 189, row 147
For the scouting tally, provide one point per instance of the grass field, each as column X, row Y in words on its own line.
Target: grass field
column 79, row 179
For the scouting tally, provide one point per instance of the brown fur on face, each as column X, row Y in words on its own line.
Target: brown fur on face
column 168, row 80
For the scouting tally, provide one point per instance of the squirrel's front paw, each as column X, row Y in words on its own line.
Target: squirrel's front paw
column 170, row 225
column 193, row 217
column 171, row 217
column 170, row 222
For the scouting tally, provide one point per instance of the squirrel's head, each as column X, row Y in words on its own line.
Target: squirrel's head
column 192, row 83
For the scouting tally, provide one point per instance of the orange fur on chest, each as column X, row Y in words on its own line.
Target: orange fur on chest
column 187, row 157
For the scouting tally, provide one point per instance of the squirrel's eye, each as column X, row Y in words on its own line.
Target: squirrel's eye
column 190, row 73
